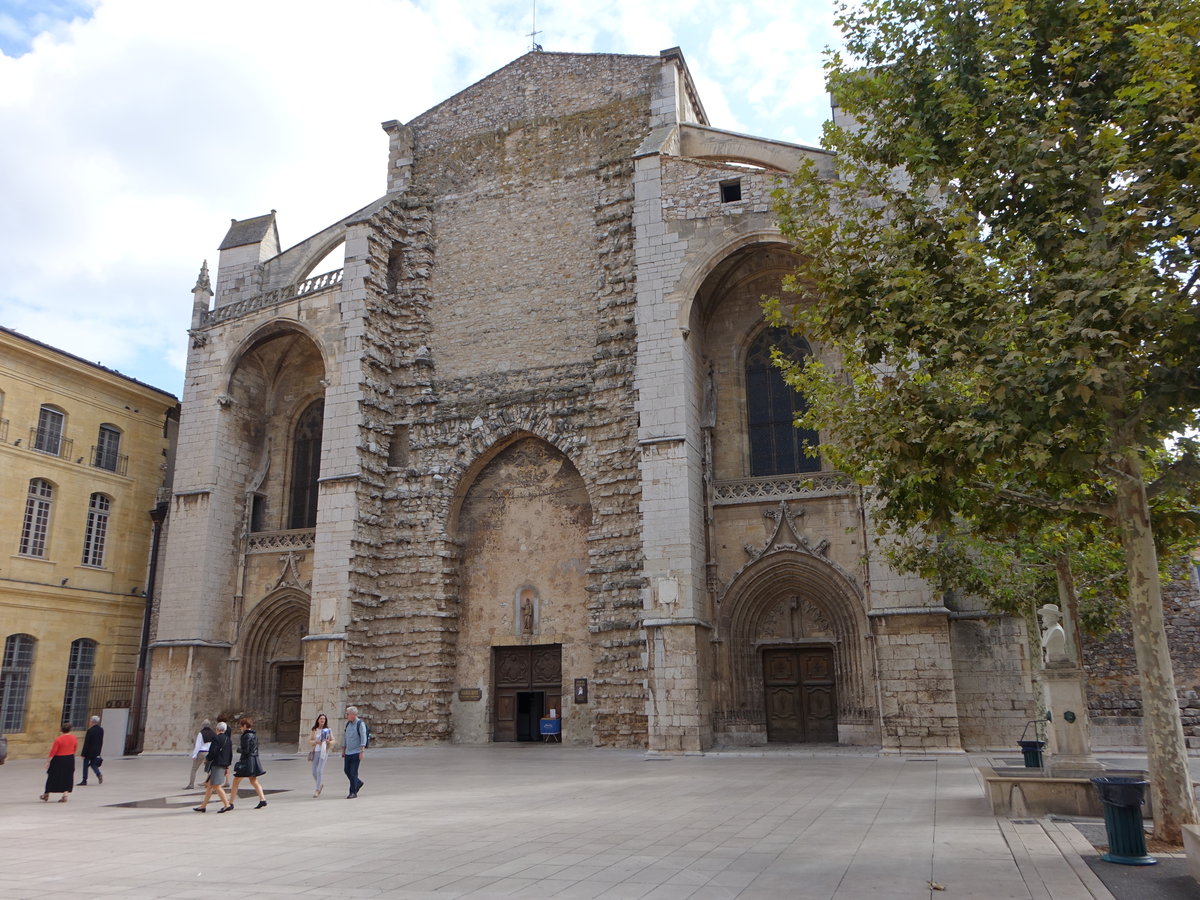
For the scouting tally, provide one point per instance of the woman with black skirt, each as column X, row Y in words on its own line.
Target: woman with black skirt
column 248, row 765
column 60, row 767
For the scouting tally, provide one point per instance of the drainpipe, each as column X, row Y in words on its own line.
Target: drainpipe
column 134, row 742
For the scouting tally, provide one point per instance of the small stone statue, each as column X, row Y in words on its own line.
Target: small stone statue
column 1054, row 639
column 526, row 615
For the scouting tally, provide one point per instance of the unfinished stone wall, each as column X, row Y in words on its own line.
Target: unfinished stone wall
column 499, row 302
column 1114, row 691
column 528, row 89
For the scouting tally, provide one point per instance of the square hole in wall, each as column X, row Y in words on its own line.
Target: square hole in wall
column 731, row 191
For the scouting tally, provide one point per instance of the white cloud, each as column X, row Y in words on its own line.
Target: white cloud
column 132, row 136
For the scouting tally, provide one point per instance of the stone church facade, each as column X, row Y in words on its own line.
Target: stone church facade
column 525, row 451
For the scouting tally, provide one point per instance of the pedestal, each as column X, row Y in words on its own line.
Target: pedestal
column 1069, row 735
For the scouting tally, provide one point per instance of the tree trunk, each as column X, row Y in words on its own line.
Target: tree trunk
column 1170, row 783
column 1069, row 601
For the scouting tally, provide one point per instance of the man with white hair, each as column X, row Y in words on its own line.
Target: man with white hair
column 93, row 744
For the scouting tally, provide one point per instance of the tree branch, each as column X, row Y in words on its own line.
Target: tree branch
column 1051, row 504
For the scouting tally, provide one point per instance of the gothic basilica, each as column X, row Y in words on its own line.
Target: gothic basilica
column 525, row 451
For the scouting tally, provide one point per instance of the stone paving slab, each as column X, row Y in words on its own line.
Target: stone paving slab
column 547, row 820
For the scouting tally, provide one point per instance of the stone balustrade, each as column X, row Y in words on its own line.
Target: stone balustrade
column 323, row 282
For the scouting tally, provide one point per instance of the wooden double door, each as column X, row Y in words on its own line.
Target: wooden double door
column 527, row 683
column 287, row 703
column 800, row 694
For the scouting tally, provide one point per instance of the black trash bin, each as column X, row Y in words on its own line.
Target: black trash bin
column 1032, row 751
column 1123, row 798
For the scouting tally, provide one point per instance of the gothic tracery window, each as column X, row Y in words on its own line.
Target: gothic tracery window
column 776, row 445
column 306, row 466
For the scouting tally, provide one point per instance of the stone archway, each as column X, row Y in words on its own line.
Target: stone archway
column 794, row 655
column 272, row 654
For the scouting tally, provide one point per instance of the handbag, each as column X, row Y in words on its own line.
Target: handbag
column 310, row 755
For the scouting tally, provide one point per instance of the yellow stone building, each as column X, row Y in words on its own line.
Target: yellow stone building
column 84, row 452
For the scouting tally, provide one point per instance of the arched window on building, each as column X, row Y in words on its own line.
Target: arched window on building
column 35, row 527
column 14, row 682
column 96, row 530
column 48, row 437
column 79, row 682
column 107, row 454
column 306, row 467
column 776, row 445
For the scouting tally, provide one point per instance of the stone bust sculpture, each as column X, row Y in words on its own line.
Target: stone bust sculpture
column 1054, row 639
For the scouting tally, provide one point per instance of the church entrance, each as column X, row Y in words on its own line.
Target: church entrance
column 527, row 684
column 798, row 684
column 287, row 707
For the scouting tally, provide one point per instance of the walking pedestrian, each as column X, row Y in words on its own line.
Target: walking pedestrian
column 93, row 745
column 354, row 748
column 248, row 765
column 200, row 752
column 216, row 765
column 60, row 766
column 321, row 740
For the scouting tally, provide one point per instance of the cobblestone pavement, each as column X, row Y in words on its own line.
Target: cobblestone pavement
column 544, row 820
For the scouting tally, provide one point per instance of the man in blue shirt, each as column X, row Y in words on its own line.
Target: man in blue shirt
column 354, row 747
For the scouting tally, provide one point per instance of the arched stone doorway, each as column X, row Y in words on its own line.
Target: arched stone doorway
column 794, row 660
column 273, row 665
column 522, row 525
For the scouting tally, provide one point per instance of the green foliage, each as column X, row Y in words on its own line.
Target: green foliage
column 1008, row 260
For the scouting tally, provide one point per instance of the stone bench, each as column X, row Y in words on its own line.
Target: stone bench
column 1191, row 845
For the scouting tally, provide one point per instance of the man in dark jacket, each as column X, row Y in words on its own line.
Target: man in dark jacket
column 93, row 744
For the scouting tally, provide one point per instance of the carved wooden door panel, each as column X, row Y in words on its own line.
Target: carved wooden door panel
column 287, row 704
column 781, row 683
column 521, row 671
column 817, row 684
column 799, row 694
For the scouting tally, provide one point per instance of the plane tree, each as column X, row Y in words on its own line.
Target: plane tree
column 1008, row 263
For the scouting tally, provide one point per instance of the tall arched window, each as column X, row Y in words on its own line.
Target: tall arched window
column 108, row 448
column 36, row 525
column 96, row 530
column 306, row 466
column 14, row 681
column 776, row 445
column 48, row 438
column 79, row 682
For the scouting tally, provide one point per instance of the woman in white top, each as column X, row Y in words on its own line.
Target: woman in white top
column 203, row 739
column 321, row 741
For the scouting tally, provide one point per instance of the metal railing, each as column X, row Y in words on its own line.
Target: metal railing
column 42, row 442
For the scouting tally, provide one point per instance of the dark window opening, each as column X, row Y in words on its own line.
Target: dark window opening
column 776, row 444
column 306, row 467
column 258, row 513
column 395, row 269
column 398, row 451
column 731, row 191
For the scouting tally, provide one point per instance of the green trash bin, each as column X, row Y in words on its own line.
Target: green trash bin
column 1122, row 798
column 1032, row 751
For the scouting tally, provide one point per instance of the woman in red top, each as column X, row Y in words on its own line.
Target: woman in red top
column 60, row 767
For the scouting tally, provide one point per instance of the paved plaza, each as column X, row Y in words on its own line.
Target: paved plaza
column 543, row 820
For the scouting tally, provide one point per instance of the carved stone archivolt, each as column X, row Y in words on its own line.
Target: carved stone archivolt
column 795, row 618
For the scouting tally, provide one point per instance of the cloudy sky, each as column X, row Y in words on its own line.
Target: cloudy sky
column 132, row 131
